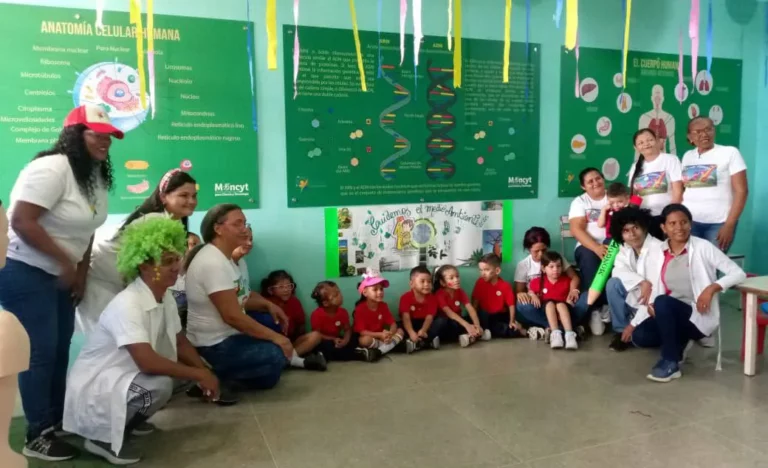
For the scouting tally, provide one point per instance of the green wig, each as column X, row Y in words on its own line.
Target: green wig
column 147, row 241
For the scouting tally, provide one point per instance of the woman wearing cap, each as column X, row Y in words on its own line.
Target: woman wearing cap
column 57, row 202
column 174, row 197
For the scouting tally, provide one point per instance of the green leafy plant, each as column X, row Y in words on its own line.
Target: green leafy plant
column 473, row 259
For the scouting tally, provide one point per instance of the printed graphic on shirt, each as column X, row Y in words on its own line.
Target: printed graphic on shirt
column 242, row 290
column 592, row 215
column 700, row 175
column 651, row 184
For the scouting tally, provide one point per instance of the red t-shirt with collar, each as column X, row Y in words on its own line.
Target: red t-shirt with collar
column 552, row 291
column 453, row 302
column 418, row 310
column 295, row 312
column 372, row 320
column 608, row 218
column 493, row 298
column 329, row 324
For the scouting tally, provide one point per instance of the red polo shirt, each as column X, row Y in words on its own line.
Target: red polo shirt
column 417, row 310
column 295, row 312
column 372, row 320
column 552, row 291
column 329, row 324
column 493, row 298
column 453, row 301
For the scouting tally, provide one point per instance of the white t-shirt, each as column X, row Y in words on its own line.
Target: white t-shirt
column 70, row 219
column 528, row 269
column 654, row 183
column 707, row 181
column 211, row 272
column 585, row 207
column 97, row 386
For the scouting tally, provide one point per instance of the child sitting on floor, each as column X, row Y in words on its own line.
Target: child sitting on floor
column 495, row 301
column 550, row 291
column 450, row 299
column 418, row 308
column 372, row 315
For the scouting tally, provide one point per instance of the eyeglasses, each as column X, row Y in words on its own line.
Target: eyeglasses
column 284, row 287
column 703, row 131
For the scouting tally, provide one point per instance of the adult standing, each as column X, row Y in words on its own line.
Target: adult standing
column 174, row 197
column 715, row 180
column 57, row 202
column 656, row 177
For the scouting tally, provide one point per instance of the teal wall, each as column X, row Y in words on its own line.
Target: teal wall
column 293, row 239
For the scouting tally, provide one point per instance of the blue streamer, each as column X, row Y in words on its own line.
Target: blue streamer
column 709, row 38
column 249, row 49
column 527, row 47
column 379, row 21
column 558, row 13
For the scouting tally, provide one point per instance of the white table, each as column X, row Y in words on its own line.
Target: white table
column 752, row 287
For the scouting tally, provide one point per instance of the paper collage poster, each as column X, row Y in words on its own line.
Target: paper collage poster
column 400, row 237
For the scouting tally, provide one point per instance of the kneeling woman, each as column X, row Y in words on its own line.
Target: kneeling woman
column 689, row 308
column 125, row 372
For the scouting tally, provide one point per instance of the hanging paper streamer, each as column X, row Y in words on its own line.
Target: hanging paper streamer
column 135, row 19
column 627, row 18
column 403, row 14
column 507, row 27
column 527, row 43
column 378, row 20
column 100, row 14
column 151, row 53
column 558, row 13
column 417, row 35
column 765, row 78
column 709, row 38
column 457, row 45
column 360, row 66
column 296, row 49
column 571, row 23
column 678, row 94
column 271, row 20
column 578, row 82
column 450, row 24
column 249, row 51
column 693, row 33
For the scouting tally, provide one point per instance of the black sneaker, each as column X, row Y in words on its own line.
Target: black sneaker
column 618, row 345
column 128, row 455
column 227, row 397
column 315, row 362
column 368, row 354
column 48, row 447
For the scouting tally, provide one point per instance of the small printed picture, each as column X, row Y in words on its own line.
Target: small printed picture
column 360, row 271
column 491, row 206
column 344, row 218
column 492, row 241
column 359, row 256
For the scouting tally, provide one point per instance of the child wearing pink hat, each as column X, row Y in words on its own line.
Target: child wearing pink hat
column 373, row 320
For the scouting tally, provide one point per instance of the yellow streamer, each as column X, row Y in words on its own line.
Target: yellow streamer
column 507, row 27
column 571, row 23
column 626, row 44
column 135, row 18
column 360, row 66
column 457, row 44
column 271, row 21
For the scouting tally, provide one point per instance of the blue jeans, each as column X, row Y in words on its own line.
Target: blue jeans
column 588, row 264
column 265, row 319
column 707, row 231
column 530, row 316
column 257, row 364
column 46, row 311
column 671, row 328
column 621, row 313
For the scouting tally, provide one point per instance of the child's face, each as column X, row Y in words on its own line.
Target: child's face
column 536, row 250
column 282, row 290
column 451, row 279
column 332, row 297
column 553, row 270
column 374, row 293
column 488, row 272
column 192, row 241
column 617, row 203
column 421, row 283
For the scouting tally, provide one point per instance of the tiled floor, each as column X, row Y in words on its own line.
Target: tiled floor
column 495, row 404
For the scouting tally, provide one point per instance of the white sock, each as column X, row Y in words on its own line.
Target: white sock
column 385, row 348
column 296, row 360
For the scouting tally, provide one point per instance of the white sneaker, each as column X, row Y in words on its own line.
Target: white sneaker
column 596, row 324
column 570, row 340
column 486, row 335
column 436, row 343
column 410, row 346
column 556, row 339
column 536, row 333
column 464, row 340
column 708, row 341
column 605, row 314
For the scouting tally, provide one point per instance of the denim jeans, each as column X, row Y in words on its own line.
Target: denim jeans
column 46, row 311
column 588, row 263
column 671, row 328
column 621, row 312
column 265, row 319
column 240, row 358
column 531, row 316
column 708, row 231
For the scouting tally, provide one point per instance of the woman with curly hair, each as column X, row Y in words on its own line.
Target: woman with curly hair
column 124, row 373
column 57, row 202
column 174, row 197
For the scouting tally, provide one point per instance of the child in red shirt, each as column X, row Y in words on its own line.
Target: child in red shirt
column 418, row 308
column 331, row 321
column 495, row 301
column 551, row 290
column 450, row 299
column 373, row 321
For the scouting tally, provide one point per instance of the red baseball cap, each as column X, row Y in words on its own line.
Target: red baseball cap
column 93, row 117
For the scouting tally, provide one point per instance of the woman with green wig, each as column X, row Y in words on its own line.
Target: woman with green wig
column 125, row 371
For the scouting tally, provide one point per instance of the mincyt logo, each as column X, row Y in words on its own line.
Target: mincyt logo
column 222, row 190
column 519, row 181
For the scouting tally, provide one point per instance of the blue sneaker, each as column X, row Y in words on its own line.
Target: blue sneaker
column 665, row 371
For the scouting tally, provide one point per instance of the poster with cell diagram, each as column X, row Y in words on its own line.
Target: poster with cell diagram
column 598, row 115
column 197, row 117
column 400, row 237
column 414, row 135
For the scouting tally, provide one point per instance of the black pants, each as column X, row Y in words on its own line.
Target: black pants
column 498, row 324
column 434, row 330
column 332, row 353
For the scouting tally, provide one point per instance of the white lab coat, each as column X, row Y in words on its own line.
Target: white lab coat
column 97, row 385
column 632, row 271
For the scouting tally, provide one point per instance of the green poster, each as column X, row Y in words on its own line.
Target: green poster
column 596, row 128
column 202, row 120
column 413, row 136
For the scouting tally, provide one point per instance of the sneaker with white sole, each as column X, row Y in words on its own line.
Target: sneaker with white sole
column 128, row 454
column 486, row 335
column 596, row 325
column 605, row 314
column 410, row 346
column 368, row 354
column 536, row 333
column 144, row 429
column 435, row 343
column 570, row 340
column 48, row 447
column 315, row 362
column 556, row 339
column 464, row 340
